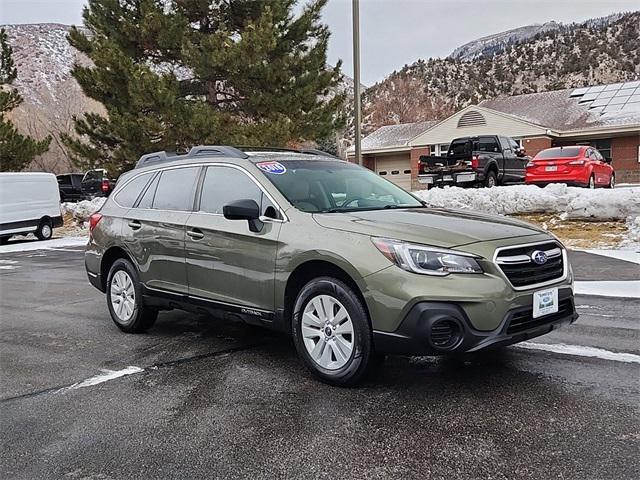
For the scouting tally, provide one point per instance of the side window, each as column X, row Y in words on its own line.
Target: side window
column 64, row 180
column 514, row 144
column 175, row 189
column 488, row 144
column 504, row 143
column 147, row 198
column 128, row 195
column 598, row 155
column 224, row 185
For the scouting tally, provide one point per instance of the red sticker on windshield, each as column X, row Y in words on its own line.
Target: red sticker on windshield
column 275, row 168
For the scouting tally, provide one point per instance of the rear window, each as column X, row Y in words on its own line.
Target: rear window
column 558, row 153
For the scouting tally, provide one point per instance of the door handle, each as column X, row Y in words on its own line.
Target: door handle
column 195, row 234
column 135, row 224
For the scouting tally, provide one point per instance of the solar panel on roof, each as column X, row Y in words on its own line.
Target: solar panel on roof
column 604, row 99
column 613, row 86
column 579, row 91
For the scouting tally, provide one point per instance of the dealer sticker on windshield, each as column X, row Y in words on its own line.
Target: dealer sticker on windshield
column 274, row 168
column 545, row 302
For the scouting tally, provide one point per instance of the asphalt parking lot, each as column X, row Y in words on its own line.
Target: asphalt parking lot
column 224, row 400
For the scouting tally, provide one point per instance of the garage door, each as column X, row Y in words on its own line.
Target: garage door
column 396, row 169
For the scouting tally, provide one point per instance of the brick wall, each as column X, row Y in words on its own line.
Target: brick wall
column 624, row 155
column 415, row 159
column 535, row 145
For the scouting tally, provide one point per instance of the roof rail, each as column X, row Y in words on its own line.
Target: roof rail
column 308, row 151
column 199, row 151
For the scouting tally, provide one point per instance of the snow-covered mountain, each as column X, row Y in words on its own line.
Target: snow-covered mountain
column 497, row 42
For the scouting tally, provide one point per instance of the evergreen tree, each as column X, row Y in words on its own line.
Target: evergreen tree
column 177, row 73
column 16, row 151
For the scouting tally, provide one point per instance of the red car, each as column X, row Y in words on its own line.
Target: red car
column 578, row 165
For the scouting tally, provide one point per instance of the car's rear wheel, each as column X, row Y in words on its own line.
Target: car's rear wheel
column 592, row 182
column 45, row 230
column 612, row 181
column 491, row 180
column 331, row 332
column 124, row 299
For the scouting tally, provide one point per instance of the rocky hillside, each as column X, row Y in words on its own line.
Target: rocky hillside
column 598, row 51
column 44, row 60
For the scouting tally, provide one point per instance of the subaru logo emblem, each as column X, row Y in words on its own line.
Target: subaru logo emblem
column 539, row 257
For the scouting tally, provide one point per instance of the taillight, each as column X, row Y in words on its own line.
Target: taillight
column 530, row 165
column 105, row 186
column 577, row 162
column 94, row 220
column 475, row 161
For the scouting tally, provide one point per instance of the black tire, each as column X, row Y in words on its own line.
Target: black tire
column 592, row 182
column 612, row 182
column 490, row 180
column 45, row 230
column 362, row 356
column 142, row 317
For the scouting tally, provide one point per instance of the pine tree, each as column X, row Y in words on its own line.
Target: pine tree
column 16, row 151
column 174, row 73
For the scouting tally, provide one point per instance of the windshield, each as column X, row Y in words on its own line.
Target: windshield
column 333, row 186
column 558, row 153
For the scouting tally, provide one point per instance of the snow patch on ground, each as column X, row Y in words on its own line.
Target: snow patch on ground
column 569, row 202
column 44, row 245
column 81, row 211
column 581, row 351
column 616, row 288
column 105, row 376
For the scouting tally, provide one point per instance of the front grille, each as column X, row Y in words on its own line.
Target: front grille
column 523, row 319
column 516, row 263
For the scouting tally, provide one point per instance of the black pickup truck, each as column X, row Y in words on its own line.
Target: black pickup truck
column 487, row 160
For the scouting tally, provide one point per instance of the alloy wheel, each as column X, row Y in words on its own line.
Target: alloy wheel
column 327, row 332
column 123, row 295
column 46, row 231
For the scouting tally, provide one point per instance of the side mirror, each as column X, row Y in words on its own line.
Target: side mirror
column 521, row 152
column 245, row 209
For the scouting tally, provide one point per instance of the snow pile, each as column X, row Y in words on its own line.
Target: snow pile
column 633, row 233
column 569, row 202
column 81, row 211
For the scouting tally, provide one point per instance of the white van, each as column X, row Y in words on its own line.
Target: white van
column 29, row 203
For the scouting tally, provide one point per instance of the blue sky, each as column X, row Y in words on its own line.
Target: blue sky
column 393, row 32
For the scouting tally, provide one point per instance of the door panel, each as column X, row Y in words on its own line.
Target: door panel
column 226, row 261
column 155, row 236
column 230, row 263
column 156, row 239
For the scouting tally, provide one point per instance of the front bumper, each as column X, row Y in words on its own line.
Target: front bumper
column 416, row 334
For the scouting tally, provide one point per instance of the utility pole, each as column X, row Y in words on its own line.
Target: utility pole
column 357, row 113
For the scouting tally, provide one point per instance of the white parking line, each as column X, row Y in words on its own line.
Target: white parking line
column 616, row 288
column 581, row 351
column 105, row 376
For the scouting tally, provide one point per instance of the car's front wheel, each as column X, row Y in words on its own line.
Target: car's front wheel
column 124, row 299
column 331, row 332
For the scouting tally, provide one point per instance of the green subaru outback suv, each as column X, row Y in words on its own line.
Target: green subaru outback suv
column 349, row 264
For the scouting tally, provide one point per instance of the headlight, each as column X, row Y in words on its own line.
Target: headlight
column 426, row 260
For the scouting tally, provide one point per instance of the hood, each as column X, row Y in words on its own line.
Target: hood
column 430, row 226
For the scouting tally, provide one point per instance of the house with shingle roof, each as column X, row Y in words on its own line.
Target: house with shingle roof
column 606, row 117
